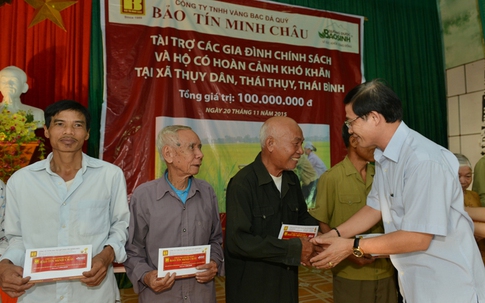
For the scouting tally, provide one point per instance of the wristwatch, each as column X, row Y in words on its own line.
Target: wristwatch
column 357, row 251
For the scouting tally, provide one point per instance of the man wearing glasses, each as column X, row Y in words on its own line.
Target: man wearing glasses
column 417, row 194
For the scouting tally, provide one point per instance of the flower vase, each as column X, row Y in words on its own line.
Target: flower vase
column 14, row 156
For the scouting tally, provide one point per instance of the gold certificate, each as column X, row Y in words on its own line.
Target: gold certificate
column 57, row 263
column 182, row 260
column 288, row 231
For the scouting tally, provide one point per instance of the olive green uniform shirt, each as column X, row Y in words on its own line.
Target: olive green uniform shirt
column 341, row 192
column 479, row 179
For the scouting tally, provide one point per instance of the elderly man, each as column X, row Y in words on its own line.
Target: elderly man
column 13, row 83
column 417, row 194
column 260, row 197
column 68, row 199
column 175, row 210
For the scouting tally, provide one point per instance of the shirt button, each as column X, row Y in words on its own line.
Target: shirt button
column 62, row 297
column 185, row 297
column 64, row 203
column 63, row 226
column 184, row 230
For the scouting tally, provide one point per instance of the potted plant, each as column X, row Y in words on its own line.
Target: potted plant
column 18, row 141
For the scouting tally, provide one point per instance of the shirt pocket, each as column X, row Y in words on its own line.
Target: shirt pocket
column 262, row 216
column 349, row 204
column 92, row 217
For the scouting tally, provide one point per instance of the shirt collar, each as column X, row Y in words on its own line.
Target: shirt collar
column 46, row 164
column 163, row 187
column 261, row 171
column 394, row 147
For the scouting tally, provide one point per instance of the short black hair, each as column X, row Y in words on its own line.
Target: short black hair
column 346, row 135
column 377, row 96
column 59, row 106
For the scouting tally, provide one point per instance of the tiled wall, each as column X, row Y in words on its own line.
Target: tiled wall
column 465, row 85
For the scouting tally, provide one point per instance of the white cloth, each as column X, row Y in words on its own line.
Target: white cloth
column 416, row 188
column 41, row 212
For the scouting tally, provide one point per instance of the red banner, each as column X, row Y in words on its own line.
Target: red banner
column 223, row 67
column 52, row 263
column 183, row 261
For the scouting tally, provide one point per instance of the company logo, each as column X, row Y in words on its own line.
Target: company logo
column 336, row 32
column 335, row 35
column 133, row 7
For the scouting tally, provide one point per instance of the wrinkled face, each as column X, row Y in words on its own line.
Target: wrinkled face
column 465, row 176
column 188, row 155
column 287, row 147
column 67, row 131
column 11, row 84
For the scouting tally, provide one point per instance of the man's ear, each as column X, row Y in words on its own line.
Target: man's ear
column 46, row 131
column 375, row 117
column 270, row 142
column 168, row 153
column 353, row 141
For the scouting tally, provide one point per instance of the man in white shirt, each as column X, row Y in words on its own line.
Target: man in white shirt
column 68, row 199
column 417, row 194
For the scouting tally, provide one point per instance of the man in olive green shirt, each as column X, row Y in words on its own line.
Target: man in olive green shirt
column 341, row 192
column 479, row 179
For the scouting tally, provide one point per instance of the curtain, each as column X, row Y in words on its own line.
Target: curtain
column 96, row 80
column 56, row 61
column 481, row 11
column 403, row 45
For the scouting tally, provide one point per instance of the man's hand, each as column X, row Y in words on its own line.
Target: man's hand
column 99, row 267
column 11, row 280
column 336, row 249
column 209, row 273
column 158, row 284
column 307, row 250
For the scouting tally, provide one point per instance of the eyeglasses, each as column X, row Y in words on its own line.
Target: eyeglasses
column 349, row 122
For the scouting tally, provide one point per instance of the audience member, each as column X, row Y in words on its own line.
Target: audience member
column 479, row 179
column 471, row 198
column 416, row 193
column 67, row 199
column 260, row 197
column 342, row 191
column 176, row 210
column 13, row 82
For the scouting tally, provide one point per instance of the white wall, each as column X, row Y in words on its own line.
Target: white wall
column 465, row 88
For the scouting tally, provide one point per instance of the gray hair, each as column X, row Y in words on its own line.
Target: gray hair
column 168, row 136
column 463, row 161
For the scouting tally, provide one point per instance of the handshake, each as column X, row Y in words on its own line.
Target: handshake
column 325, row 251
